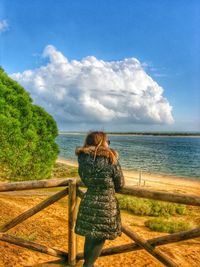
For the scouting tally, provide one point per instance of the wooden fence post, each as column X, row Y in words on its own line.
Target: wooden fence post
column 140, row 177
column 72, row 201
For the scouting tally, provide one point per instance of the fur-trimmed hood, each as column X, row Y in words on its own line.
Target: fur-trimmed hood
column 102, row 151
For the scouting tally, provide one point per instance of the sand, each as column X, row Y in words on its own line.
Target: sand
column 49, row 227
column 165, row 183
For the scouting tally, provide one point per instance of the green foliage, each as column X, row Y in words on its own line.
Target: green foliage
column 147, row 207
column 168, row 225
column 62, row 170
column 27, row 134
column 28, row 237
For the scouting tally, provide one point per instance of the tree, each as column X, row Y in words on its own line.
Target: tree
column 27, row 134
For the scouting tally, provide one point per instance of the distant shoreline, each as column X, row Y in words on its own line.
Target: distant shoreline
column 154, row 181
column 168, row 134
column 74, row 163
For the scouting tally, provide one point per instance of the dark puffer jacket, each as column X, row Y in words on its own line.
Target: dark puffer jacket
column 99, row 213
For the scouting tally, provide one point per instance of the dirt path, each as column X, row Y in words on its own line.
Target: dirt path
column 50, row 227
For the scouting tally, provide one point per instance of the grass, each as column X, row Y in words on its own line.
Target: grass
column 170, row 225
column 138, row 206
column 60, row 170
column 162, row 212
column 4, row 174
column 148, row 207
column 29, row 237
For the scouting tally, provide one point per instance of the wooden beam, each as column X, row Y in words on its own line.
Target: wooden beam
column 176, row 237
column 155, row 252
column 27, row 214
column 33, row 246
column 54, row 263
column 158, row 241
column 72, row 208
column 79, row 192
column 171, row 197
column 35, row 184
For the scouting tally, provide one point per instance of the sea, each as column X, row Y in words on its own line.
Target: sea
column 165, row 155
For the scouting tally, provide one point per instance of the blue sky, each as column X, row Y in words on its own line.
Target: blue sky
column 163, row 35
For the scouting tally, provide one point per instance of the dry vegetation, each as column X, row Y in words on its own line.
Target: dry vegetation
column 49, row 227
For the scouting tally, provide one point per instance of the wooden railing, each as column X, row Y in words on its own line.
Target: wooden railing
column 73, row 191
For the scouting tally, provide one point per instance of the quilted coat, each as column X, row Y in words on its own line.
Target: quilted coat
column 99, row 214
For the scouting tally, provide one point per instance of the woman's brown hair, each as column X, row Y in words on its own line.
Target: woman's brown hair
column 98, row 139
column 95, row 138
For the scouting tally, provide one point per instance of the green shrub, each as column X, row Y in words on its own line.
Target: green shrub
column 61, row 170
column 28, row 237
column 27, row 134
column 146, row 207
column 168, row 225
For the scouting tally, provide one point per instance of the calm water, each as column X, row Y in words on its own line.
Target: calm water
column 179, row 156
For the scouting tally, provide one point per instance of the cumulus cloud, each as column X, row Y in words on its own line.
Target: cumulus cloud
column 3, row 25
column 96, row 91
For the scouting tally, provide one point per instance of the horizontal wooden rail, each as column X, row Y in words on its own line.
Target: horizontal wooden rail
column 129, row 190
column 33, row 246
column 143, row 193
column 27, row 214
column 54, row 263
column 74, row 191
column 155, row 252
column 157, row 241
column 35, row 184
column 80, row 193
column 163, row 196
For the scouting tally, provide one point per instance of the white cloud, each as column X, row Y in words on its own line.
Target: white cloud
column 93, row 91
column 3, row 25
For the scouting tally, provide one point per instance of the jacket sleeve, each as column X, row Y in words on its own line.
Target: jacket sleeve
column 118, row 177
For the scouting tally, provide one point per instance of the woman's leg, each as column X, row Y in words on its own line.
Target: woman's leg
column 92, row 249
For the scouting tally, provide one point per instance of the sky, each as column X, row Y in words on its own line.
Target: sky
column 130, row 65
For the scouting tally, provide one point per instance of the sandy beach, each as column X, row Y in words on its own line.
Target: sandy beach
column 154, row 181
column 49, row 227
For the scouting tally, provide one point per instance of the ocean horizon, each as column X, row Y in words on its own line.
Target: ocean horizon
column 166, row 155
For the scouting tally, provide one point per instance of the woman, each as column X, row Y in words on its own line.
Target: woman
column 98, row 217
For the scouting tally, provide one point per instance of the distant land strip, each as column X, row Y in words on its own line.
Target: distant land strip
column 144, row 133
